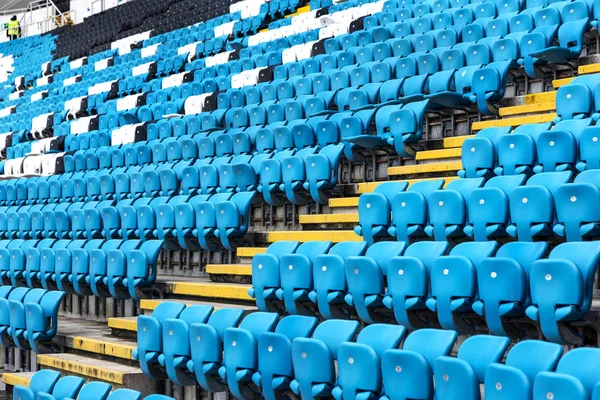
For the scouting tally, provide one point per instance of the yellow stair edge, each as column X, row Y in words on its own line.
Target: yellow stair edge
column 543, row 97
column 123, row 323
column 17, row 378
column 515, row 121
column 588, row 69
column 425, row 168
column 438, row 154
column 368, row 187
column 250, row 251
column 92, row 368
column 527, row 109
column 229, row 269
column 299, row 10
column 212, row 290
column 329, row 218
column 343, row 202
column 456, row 141
column 561, row 82
column 105, row 348
column 307, row 236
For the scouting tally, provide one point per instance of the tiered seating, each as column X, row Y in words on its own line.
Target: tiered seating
column 295, row 353
column 49, row 385
column 28, row 318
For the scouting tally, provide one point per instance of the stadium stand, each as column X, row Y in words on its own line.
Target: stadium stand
column 392, row 199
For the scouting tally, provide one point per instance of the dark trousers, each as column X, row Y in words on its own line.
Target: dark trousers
column 13, row 37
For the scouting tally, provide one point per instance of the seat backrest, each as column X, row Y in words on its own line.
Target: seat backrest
column 224, row 318
column 426, row 187
column 427, row 251
column 591, row 176
column 294, row 326
column 125, row 394
column 525, row 253
column 44, row 381
column 381, row 337
column 313, row 248
column 482, row 350
column 348, row 249
column 465, row 186
column 278, row 249
column 259, row 322
column 550, row 180
column 506, row 183
column 494, row 134
column 390, row 189
column 335, row 332
column 533, row 357
column 166, row 310
column 430, row 343
column 67, row 387
column 94, row 391
column 573, row 364
column 196, row 314
column 475, row 251
column 382, row 252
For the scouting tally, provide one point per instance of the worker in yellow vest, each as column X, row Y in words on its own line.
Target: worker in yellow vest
column 14, row 30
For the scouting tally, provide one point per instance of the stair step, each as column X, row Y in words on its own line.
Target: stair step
column 93, row 337
column 425, row 168
column 368, row 187
column 455, row 141
column 438, row 154
column 514, row 122
column 17, row 378
column 527, row 109
column 228, row 291
column 343, row 202
column 542, row 97
column 588, row 69
column 123, row 323
column 250, row 251
column 307, row 236
column 98, row 369
column 229, row 269
column 329, row 219
column 561, row 82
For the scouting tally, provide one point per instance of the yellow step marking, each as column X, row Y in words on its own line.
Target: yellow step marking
column 543, row 97
column 229, row 269
column 437, row 154
column 212, row 290
column 527, row 109
column 80, row 366
column 425, row 168
column 18, row 378
column 343, row 202
column 589, row 68
column 126, row 323
column 307, row 236
column 455, row 141
column 104, row 348
column 561, row 82
column 368, row 187
column 515, row 121
column 250, row 251
column 329, row 218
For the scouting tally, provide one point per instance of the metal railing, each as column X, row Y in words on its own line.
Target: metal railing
column 31, row 23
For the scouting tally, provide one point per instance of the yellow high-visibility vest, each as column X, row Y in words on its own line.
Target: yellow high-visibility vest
column 13, row 27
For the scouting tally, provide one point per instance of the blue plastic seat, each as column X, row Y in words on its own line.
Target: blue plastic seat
column 265, row 274
column 503, row 285
column 532, row 207
column 489, row 207
column 523, row 363
column 94, row 391
column 448, row 208
column 479, row 153
column 454, row 284
column 124, row 394
column 150, row 342
column 557, row 148
column 176, row 343
column 313, row 358
column 408, row 284
column 275, row 369
column 561, row 289
column 296, row 274
column 329, row 279
column 571, row 378
column 359, row 364
column 576, row 214
column 588, row 154
column 374, row 210
column 365, row 276
column 409, row 210
column 408, row 373
column 65, row 388
column 461, row 377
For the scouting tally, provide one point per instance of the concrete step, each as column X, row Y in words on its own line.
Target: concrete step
column 93, row 337
column 128, row 324
column 329, row 219
column 203, row 289
column 368, row 187
column 120, row 375
column 306, row 236
column 229, row 269
column 514, row 121
column 431, row 168
column 12, row 379
column 440, row 154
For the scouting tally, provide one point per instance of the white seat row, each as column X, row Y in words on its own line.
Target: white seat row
column 129, row 102
column 127, row 134
column 72, row 80
column 103, row 87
